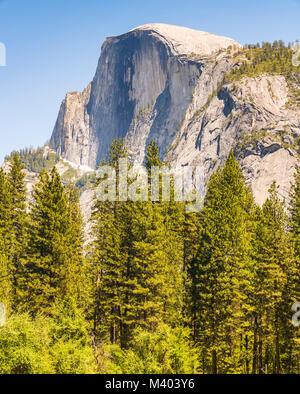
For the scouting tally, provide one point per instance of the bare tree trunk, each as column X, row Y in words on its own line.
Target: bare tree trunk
column 260, row 356
column 97, row 306
column 247, row 360
column 278, row 366
column 113, row 329
column 254, row 359
column 214, row 363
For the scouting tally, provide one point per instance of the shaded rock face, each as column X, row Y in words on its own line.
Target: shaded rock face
column 163, row 82
column 135, row 68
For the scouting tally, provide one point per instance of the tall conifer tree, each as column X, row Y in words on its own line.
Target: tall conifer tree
column 274, row 273
column 107, row 259
column 222, row 272
column 138, row 273
column 18, row 223
column 6, row 269
column 53, row 269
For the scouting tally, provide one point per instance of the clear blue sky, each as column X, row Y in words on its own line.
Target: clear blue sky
column 53, row 47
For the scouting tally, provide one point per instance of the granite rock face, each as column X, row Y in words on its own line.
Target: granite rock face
column 250, row 117
column 71, row 136
column 164, row 83
column 142, row 87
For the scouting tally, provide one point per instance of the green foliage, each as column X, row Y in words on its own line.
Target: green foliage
column 69, row 175
column 273, row 280
column 294, row 289
column 256, row 60
column 5, row 241
column 221, row 272
column 17, row 224
column 57, row 345
column 70, row 344
column 24, row 346
column 106, row 259
column 270, row 59
column 85, row 182
column 152, row 156
column 35, row 160
column 228, row 273
column 165, row 351
column 138, row 264
column 54, row 265
column 249, row 139
column 295, row 212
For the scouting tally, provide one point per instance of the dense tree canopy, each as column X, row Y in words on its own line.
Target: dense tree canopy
column 159, row 289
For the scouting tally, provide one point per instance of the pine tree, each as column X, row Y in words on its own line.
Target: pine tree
column 6, row 268
column 294, row 230
column 145, row 264
column 295, row 213
column 137, row 271
column 190, row 233
column 70, row 346
column 54, row 262
column 107, row 265
column 76, row 283
column 106, row 257
column 222, row 272
column 18, row 222
column 152, row 157
column 273, row 272
column 172, row 214
column 154, row 268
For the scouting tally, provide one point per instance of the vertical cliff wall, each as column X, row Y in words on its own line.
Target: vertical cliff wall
column 143, row 85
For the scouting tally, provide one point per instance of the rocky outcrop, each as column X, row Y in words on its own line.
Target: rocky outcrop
column 164, row 83
column 143, row 85
column 71, row 136
column 251, row 117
